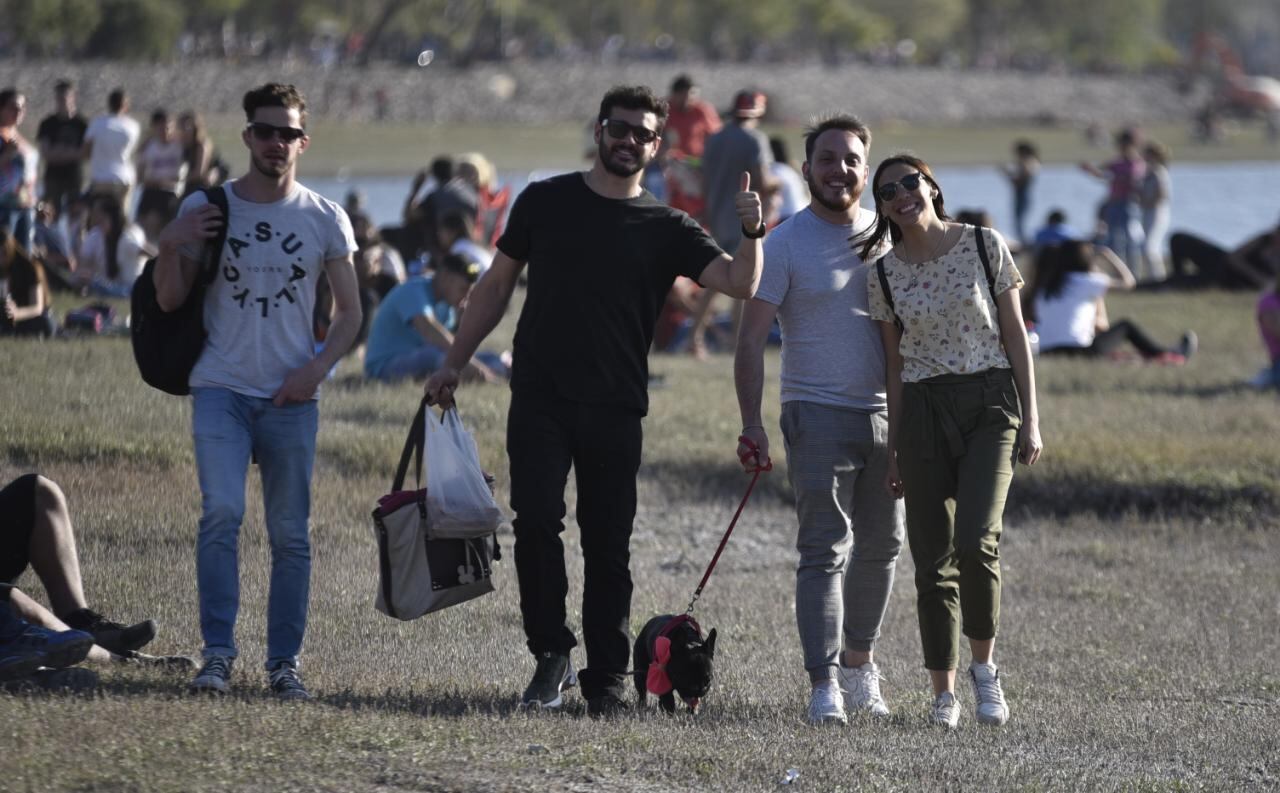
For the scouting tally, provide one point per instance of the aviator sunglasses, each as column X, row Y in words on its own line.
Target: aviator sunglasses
column 618, row 130
column 265, row 132
column 888, row 190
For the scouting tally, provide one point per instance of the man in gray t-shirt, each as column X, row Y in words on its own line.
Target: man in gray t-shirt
column 834, row 421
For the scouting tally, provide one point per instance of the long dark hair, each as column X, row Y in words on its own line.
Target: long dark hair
column 110, row 206
column 1054, row 263
column 870, row 240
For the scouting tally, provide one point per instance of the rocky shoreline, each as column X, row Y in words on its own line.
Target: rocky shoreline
column 545, row 92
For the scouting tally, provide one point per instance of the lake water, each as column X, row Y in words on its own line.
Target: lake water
column 1223, row 202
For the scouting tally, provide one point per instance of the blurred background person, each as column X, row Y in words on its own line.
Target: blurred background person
column 1153, row 197
column 114, row 250
column 60, row 138
column 161, row 169
column 1120, row 212
column 109, row 143
column 1199, row 264
column 25, row 292
column 17, row 170
column 1021, row 173
column 791, row 195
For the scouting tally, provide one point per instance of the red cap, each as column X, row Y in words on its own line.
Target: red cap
column 749, row 104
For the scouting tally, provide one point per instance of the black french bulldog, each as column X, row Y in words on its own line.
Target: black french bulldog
column 671, row 657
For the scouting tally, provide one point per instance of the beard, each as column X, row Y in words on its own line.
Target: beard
column 271, row 168
column 843, row 204
column 622, row 169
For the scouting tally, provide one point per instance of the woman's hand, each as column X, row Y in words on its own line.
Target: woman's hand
column 1029, row 444
column 892, row 481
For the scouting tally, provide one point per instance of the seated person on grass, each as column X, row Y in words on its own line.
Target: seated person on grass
column 35, row 531
column 454, row 234
column 414, row 326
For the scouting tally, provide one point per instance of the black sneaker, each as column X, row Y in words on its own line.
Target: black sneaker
column 112, row 636
column 286, row 684
column 553, row 674
column 606, row 706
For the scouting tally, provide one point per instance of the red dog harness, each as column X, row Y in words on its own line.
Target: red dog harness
column 657, row 681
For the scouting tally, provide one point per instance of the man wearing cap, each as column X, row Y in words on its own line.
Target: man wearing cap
column 414, row 326
column 739, row 147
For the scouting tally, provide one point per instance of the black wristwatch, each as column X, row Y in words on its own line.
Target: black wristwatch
column 749, row 235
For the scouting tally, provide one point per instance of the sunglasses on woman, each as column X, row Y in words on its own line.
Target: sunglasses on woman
column 888, row 190
column 618, row 130
column 265, row 132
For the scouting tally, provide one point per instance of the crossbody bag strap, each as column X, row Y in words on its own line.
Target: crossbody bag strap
column 980, row 238
column 884, row 287
column 412, row 448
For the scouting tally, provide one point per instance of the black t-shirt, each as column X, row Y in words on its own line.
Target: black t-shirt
column 59, row 131
column 598, row 272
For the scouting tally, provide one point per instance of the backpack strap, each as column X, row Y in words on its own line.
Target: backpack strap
column 980, row 238
column 884, row 287
column 218, row 197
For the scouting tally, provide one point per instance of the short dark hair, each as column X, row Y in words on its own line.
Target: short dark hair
column 442, row 169
column 115, row 100
column 634, row 97
column 8, row 96
column 457, row 223
column 779, row 148
column 63, row 86
column 682, row 83
column 1056, row 216
column 275, row 95
column 159, row 115
column 840, row 121
column 460, row 265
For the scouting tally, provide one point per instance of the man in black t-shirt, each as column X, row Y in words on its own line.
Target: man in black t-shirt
column 60, row 138
column 602, row 254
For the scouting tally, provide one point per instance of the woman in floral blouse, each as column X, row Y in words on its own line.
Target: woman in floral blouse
column 962, row 407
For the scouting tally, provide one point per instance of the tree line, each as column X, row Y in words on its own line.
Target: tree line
column 1100, row 35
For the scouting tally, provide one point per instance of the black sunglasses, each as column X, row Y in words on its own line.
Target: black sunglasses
column 265, row 132
column 618, row 130
column 888, row 190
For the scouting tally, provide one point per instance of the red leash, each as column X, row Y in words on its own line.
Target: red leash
column 759, row 469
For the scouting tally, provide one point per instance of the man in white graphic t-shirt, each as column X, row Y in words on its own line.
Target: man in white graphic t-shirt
column 255, row 386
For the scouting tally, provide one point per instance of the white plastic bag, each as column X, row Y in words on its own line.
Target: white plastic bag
column 459, row 502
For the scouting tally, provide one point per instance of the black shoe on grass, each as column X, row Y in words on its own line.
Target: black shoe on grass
column 607, row 706
column 553, row 674
column 112, row 636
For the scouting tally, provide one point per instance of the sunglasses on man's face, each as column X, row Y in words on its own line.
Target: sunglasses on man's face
column 618, row 130
column 265, row 132
column 888, row 190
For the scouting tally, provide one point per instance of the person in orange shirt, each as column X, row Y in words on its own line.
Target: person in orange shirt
column 690, row 122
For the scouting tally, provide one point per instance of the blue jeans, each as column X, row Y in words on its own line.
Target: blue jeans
column 426, row 359
column 229, row 429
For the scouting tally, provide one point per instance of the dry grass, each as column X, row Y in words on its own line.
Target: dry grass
column 1138, row 642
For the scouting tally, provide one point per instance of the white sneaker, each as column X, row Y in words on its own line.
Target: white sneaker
column 826, row 705
column 861, row 686
column 988, row 694
column 945, row 711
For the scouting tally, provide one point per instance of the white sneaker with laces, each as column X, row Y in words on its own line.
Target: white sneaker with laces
column 861, row 686
column 988, row 694
column 826, row 705
column 945, row 711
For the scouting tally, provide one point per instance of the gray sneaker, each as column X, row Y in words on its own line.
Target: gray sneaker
column 214, row 677
column 861, row 686
column 988, row 694
column 945, row 711
column 553, row 674
column 286, row 684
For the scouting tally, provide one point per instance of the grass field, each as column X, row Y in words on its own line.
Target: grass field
column 398, row 148
column 1138, row 642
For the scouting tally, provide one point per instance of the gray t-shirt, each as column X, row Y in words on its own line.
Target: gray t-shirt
column 831, row 348
column 258, row 311
column 729, row 152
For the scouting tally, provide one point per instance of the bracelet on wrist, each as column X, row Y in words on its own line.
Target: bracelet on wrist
column 753, row 235
column 752, row 427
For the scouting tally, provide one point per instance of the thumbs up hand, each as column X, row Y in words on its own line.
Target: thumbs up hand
column 749, row 208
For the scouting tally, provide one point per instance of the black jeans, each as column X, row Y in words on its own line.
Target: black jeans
column 1112, row 339
column 546, row 435
column 1211, row 266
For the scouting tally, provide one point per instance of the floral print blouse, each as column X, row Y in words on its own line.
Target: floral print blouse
column 949, row 320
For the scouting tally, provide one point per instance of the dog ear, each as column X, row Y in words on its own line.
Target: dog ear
column 710, row 644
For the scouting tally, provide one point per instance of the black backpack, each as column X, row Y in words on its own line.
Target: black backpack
column 167, row 344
